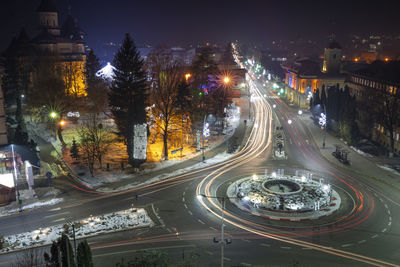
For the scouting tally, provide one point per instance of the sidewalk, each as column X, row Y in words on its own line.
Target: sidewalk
column 366, row 166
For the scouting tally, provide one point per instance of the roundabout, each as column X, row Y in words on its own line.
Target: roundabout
column 287, row 197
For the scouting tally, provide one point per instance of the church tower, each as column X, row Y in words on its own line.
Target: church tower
column 48, row 15
column 332, row 58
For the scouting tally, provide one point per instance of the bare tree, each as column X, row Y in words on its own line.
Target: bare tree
column 388, row 112
column 94, row 142
column 166, row 110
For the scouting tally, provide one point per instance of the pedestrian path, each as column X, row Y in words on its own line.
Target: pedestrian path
column 358, row 163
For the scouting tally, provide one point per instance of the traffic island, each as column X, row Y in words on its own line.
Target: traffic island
column 285, row 197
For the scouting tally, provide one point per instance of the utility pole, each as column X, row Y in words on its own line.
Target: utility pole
column 222, row 231
column 17, row 196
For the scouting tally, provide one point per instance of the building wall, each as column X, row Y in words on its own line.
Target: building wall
column 368, row 105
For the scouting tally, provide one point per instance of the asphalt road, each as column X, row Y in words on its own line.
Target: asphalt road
column 364, row 232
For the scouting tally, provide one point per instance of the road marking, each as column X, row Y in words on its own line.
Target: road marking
column 346, row 245
column 184, row 192
column 209, row 252
column 213, row 228
column 362, row 241
column 55, row 209
column 183, row 199
column 290, row 141
column 389, row 223
column 381, row 199
column 227, row 259
column 135, row 250
column 185, row 205
column 190, row 212
column 200, row 221
column 265, row 245
column 384, row 230
column 59, row 220
column 286, row 247
column 245, row 264
column 390, row 218
column 169, row 230
column 245, row 240
column 54, row 215
column 374, row 236
column 386, row 206
column 306, row 248
column 388, row 212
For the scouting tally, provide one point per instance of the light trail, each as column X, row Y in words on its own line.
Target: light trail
column 258, row 144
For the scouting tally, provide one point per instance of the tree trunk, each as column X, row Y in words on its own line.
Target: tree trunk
column 165, row 139
column 91, row 169
column 60, row 137
column 100, row 161
column 391, row 144
column 129, row 148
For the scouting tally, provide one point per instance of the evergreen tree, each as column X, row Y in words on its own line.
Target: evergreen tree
column 74, row 151
column 67, row 253
column 84, row 255
column 52, row 259
column 96, row 87
column 128, row 94
column 323, row 97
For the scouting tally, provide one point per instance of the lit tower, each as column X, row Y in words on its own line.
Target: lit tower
column 48, row 16
column 332, row 58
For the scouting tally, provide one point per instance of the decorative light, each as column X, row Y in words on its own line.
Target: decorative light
column 289, row 121
column 322, row 120
column 107, row 73
column 300, row 112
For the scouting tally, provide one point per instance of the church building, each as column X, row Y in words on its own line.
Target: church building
column 65, row 43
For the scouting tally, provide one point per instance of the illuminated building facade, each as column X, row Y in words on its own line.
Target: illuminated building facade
column 304, row 76
column 65, row 42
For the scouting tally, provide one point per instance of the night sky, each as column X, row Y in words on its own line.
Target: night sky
column 190, row 22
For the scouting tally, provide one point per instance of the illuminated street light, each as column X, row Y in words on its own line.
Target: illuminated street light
column 289, row 121
column 274, row 106
column 187, row 76
column 227, row 80
column 62, row 123
column 53, row 115
column 300, row 112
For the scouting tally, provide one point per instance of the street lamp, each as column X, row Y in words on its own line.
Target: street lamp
column 289, row 121
column 206, row 133
column 323, row 123
column 200, row 197
column 187, row 76
column 226, row 79
column 15, row 178
column 53, row 115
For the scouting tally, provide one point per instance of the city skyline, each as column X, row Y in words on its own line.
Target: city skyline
column 180, row 23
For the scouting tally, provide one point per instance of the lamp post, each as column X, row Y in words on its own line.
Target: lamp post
column 323, row 122
column 223, row 199
column 206, row 133
column 15, row 177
